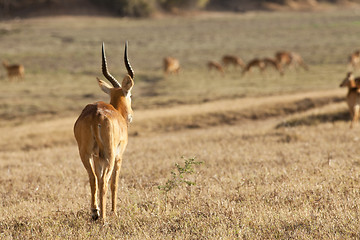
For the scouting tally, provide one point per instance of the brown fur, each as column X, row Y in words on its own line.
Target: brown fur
column 298, row 61
column 273, row 63
column 171, row 65
column 283, row 58
column 352, row 97
column 101, row 132
column 14, row 70
column 354, row 60
column 215, row 65
column 232, row 60
column 288, row 59
column 256, row 62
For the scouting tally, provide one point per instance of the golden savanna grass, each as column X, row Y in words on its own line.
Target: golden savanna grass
column 279, row 160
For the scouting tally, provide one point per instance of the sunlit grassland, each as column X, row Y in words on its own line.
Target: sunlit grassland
column 62, row 57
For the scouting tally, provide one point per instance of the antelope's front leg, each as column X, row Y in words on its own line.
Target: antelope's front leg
column 114, row 184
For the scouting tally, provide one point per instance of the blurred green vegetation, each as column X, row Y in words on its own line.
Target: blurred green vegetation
column 146, row 8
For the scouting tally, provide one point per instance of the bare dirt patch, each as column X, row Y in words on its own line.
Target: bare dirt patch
column 50, row 133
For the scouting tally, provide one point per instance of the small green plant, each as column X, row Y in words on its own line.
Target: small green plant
column 179, row 178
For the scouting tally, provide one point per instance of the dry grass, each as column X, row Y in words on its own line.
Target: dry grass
column 280, row 162
column 256, row 182
column 62, row 58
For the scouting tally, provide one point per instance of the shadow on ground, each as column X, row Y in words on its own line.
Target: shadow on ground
column 313, row 120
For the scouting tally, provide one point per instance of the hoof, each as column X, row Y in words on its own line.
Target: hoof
column 95, row 214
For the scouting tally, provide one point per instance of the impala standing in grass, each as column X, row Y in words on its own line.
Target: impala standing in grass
column 101, row 132
column 14, row 70
column 354, row 60
column 171, row 65
column 352, row 97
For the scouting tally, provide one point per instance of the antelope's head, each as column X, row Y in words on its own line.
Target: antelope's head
column 120, row 94
column 349, row 81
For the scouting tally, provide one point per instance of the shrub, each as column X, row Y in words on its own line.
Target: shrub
column 134, row 8
column 187, row 4
column 177, row 179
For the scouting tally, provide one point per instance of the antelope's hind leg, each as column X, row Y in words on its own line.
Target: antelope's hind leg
column 103, row 170
column 86, row 159
column 88, row 154
column 114, row 184
column 115, row 175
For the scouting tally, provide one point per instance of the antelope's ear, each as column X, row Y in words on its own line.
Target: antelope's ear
column 104, row 86
column 127, row 85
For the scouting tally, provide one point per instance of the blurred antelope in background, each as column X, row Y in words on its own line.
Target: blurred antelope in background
column 353, row 96
column 256, row 62
column 232, row 60
column 101, row 132
column 297, row 60
column 215, row 65
column 290, row 59
column 354, row 60
column 14, row 70
column 283, row 58
column 171, row 65
column 273, row 63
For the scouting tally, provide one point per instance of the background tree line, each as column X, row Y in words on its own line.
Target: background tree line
column 145, row 8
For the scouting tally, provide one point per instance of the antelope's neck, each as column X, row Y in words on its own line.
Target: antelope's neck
column 120, row 105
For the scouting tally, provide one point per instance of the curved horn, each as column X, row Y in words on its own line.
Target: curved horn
column 127, row 63
column 105, row 71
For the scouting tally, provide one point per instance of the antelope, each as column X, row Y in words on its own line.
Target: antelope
column 297, row 60
column 283, row 58
column 215, row 65
column 275, row 64
column 14, row 70
column 287, row 59
column 232, row 60
column 101, row 132
column 256, row 62
column 354, row 60
column 352, row 97
column 171, row 65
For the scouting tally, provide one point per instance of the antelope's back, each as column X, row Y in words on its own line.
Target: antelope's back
column 100, row 122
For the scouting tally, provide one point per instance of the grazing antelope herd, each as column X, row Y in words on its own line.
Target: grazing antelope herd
column 282, row 60
column 101, row 132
